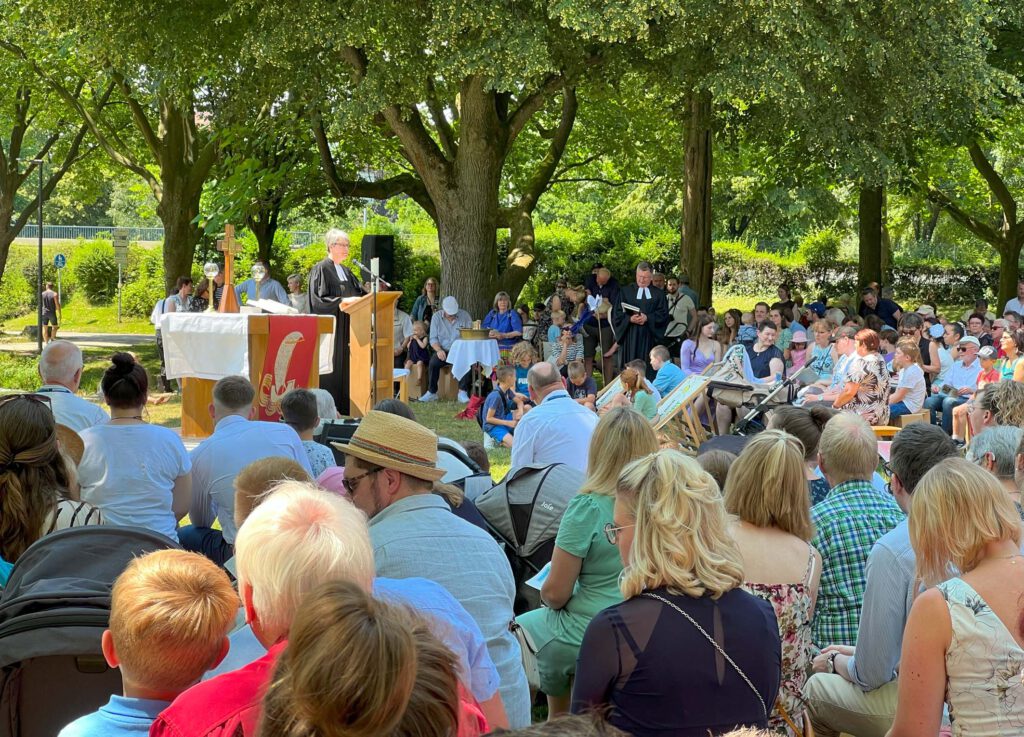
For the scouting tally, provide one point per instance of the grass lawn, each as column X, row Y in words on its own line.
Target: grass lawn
column 81, row 317
column 18, row 372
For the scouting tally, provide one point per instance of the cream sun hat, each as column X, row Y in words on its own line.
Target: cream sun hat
column 390, row 441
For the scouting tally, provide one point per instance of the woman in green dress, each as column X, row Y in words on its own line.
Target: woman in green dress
column 585, row 567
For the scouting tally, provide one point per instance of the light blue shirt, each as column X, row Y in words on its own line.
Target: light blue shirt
column 447, row 618
column 669, row 376
column 236, row 442
column 418, row 536
column 962, row 376
column 71, row 410
column 888, row 596
column 269, row 289
column 122, row 716
column 839, row 373
column 444, row 332
column 557, row 430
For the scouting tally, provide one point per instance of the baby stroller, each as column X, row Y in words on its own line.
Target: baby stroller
column 52, row 615
column 524, row 511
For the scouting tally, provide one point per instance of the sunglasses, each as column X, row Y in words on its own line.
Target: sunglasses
column 353, row 483
column 612, row 532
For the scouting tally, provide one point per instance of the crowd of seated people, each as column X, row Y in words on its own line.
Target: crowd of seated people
column 818, row 577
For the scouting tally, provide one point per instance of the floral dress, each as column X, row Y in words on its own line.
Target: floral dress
column 792, row 605
column 983, row 667
column 872, row 399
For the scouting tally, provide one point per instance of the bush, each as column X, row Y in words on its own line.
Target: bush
column 95, row 270
column 145, row 282
column 16, row 294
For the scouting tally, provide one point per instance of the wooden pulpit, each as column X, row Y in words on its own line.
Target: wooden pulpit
column 197, row 394
column 360, row 350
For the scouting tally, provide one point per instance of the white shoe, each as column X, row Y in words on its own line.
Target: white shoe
column 428, row 397
column 463, row 398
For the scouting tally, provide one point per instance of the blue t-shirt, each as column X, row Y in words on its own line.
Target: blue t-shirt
column 5, row 572
column 669, row 376
column 121, row 716
column 502, row 403
column 581, row 391
column 522, row 386
column 554, row 333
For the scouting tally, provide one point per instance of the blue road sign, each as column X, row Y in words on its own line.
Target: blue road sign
column 60, row 261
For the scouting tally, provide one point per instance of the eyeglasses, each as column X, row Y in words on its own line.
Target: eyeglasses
column 41, row 398
column 612, row 532
column 351, row 484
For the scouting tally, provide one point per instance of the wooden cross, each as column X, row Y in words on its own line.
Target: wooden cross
column 229, row 247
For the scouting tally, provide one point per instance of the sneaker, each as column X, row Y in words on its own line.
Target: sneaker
column 463, row 397
column 428, row 397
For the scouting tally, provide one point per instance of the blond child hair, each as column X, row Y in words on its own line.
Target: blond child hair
column 169, row 619
column 522, row 351
column 576, row 370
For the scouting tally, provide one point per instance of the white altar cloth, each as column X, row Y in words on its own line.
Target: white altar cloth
column 212, row 345
column 465, row 353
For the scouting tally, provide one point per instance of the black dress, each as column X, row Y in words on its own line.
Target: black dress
column 326, row 290
column 655, row 675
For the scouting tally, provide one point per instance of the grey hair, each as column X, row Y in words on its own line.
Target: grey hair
column 334, row 235
column 1002, row 442
column 542, row 375
column 325, row 406
column 60, row 361
column 296, row 277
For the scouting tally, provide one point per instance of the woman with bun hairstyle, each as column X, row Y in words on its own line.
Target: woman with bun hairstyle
column 138, row 474
column 806, row 424
column 358, row 667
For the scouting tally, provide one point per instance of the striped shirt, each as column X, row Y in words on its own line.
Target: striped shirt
column 848, row 524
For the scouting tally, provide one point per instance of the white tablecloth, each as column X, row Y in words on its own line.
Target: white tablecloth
column 465, row 353
column 212, row 345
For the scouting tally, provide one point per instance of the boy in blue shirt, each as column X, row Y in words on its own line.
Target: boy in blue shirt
column 669, row 375
column 169, row 618
column 581, row 387
column 502, row 408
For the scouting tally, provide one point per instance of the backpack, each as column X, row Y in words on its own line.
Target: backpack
column 52, row 614
column 505, row 409
column 524, row 510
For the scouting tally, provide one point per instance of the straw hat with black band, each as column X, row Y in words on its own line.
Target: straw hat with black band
column 390, row 441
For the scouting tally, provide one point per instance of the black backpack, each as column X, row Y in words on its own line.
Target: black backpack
column 52, row 614
column 505, row 409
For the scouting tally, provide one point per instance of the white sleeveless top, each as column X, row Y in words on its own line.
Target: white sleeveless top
column 983, row 667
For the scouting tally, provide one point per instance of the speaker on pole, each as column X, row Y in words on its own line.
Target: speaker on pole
column 382, row 247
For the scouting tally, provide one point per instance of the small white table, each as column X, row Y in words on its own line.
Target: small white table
column 464, row 354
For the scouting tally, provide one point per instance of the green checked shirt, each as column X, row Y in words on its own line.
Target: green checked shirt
column 847, row 523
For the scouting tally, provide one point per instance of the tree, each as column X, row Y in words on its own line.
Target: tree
column 436, row 101
column 34, row 127
column 119, row 69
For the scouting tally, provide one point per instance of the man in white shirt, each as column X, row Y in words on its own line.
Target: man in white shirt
column 557, row 430
column 236, row 442
column 1017, row 303
column 60, row 368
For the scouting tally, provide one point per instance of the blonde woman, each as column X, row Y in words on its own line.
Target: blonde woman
column 689, row 652
column 767, row 491
column 964, row 636
column 585, row 567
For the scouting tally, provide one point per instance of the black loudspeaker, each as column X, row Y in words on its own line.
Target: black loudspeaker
column 382, row 247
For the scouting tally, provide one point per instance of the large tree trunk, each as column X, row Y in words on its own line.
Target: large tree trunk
column 7, row 232
column 1009, row 270
column 466, row 231
column 870, row 235
column 263, row 225
column 696, row 258
column 177, row 210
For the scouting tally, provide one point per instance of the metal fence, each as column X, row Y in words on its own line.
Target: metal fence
column 299, row 238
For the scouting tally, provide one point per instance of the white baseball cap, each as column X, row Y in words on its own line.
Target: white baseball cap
column 450, row 305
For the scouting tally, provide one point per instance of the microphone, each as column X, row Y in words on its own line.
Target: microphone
column 366, row 269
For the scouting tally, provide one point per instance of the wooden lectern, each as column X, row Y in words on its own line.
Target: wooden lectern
column 360, row 349
column 197, row 394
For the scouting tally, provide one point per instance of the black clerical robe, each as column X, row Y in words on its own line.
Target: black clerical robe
column 326, row 289
column 636, row 341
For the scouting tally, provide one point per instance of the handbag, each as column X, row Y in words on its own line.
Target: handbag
column 529, row 653
column 806, row 732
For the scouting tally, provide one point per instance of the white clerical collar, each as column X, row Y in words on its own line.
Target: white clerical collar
column 643, row 293
column 341, row 272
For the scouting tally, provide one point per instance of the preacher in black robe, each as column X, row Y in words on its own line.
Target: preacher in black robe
column 638, row 332
column 326, row 290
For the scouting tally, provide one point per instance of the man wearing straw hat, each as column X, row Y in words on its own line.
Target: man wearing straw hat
column 390, row 471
